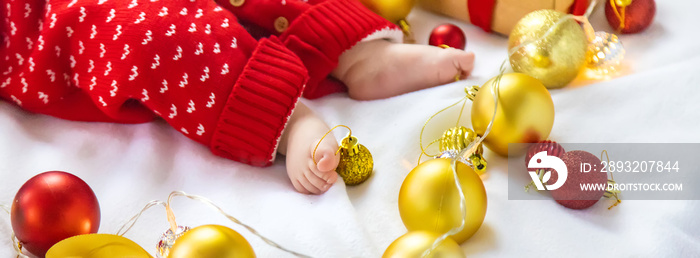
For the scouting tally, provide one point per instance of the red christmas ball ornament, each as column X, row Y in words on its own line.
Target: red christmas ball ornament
column 630, row 16
column 570, row 194
column 53, row 206
column 552, row 148
column 448, row 34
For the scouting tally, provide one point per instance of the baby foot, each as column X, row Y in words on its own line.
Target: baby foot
column 380, row 69
column 298, row 142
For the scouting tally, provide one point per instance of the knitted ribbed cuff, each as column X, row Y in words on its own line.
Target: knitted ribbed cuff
column 320, row 35
column 260, row 104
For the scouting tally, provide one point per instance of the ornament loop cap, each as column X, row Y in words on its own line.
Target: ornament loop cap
column 349, row 146
column 471, row 92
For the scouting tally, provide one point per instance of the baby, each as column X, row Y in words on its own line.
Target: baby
column 193, row 63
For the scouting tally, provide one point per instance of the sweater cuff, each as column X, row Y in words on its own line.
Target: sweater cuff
column 320, row 35
column 259, row 106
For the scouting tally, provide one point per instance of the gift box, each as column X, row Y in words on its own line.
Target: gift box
column 499, row 16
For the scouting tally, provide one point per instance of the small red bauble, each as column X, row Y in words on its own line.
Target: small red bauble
column 448, row 34
column 638, row 15
column 552, row 148
column 53, row 206
column 570, row 194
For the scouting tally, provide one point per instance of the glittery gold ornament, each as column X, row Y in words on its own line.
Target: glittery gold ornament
column 548, row 48
column 429, row 200
column 356, row 163
column 97, row 246
column 414, row 243
column 211, row 241
column 458, row 138
column 525, row 112
column 605, row 53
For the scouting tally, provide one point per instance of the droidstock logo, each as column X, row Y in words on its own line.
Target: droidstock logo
column 542, row 161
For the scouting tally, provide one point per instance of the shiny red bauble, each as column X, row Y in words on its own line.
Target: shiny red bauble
column 570, row 194
column 448, row 34
column 53, row 206
column 638, row 15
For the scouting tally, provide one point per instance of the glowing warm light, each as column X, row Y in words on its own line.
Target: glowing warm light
column 605, row 54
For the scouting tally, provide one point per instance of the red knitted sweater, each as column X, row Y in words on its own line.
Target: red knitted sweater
column 187, row 61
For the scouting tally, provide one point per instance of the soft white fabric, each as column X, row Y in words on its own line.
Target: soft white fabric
column 656, row 100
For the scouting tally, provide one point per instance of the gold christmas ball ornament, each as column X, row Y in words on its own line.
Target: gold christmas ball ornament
column 429, row 200
column 97, row 246
column 458, row 138
column 547, row 49
column 525, row 112
column 392, row 10
column 211, row 241
column 414, row 243
column 605, row 53
column 356, row 163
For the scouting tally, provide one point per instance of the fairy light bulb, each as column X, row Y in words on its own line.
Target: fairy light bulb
column 605, row 53
column 167, row 240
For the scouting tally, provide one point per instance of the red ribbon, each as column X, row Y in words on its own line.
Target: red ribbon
column 481, row 12
column 578, row 7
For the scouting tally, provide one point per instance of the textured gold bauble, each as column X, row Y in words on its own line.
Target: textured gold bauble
column 392, row 10
column 414, row 243
column 211, row 241
column 555, row 59
column 525, row 112
column 356, row 162
column 429, row 200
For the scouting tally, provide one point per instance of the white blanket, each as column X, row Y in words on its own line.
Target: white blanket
column 656, row 99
